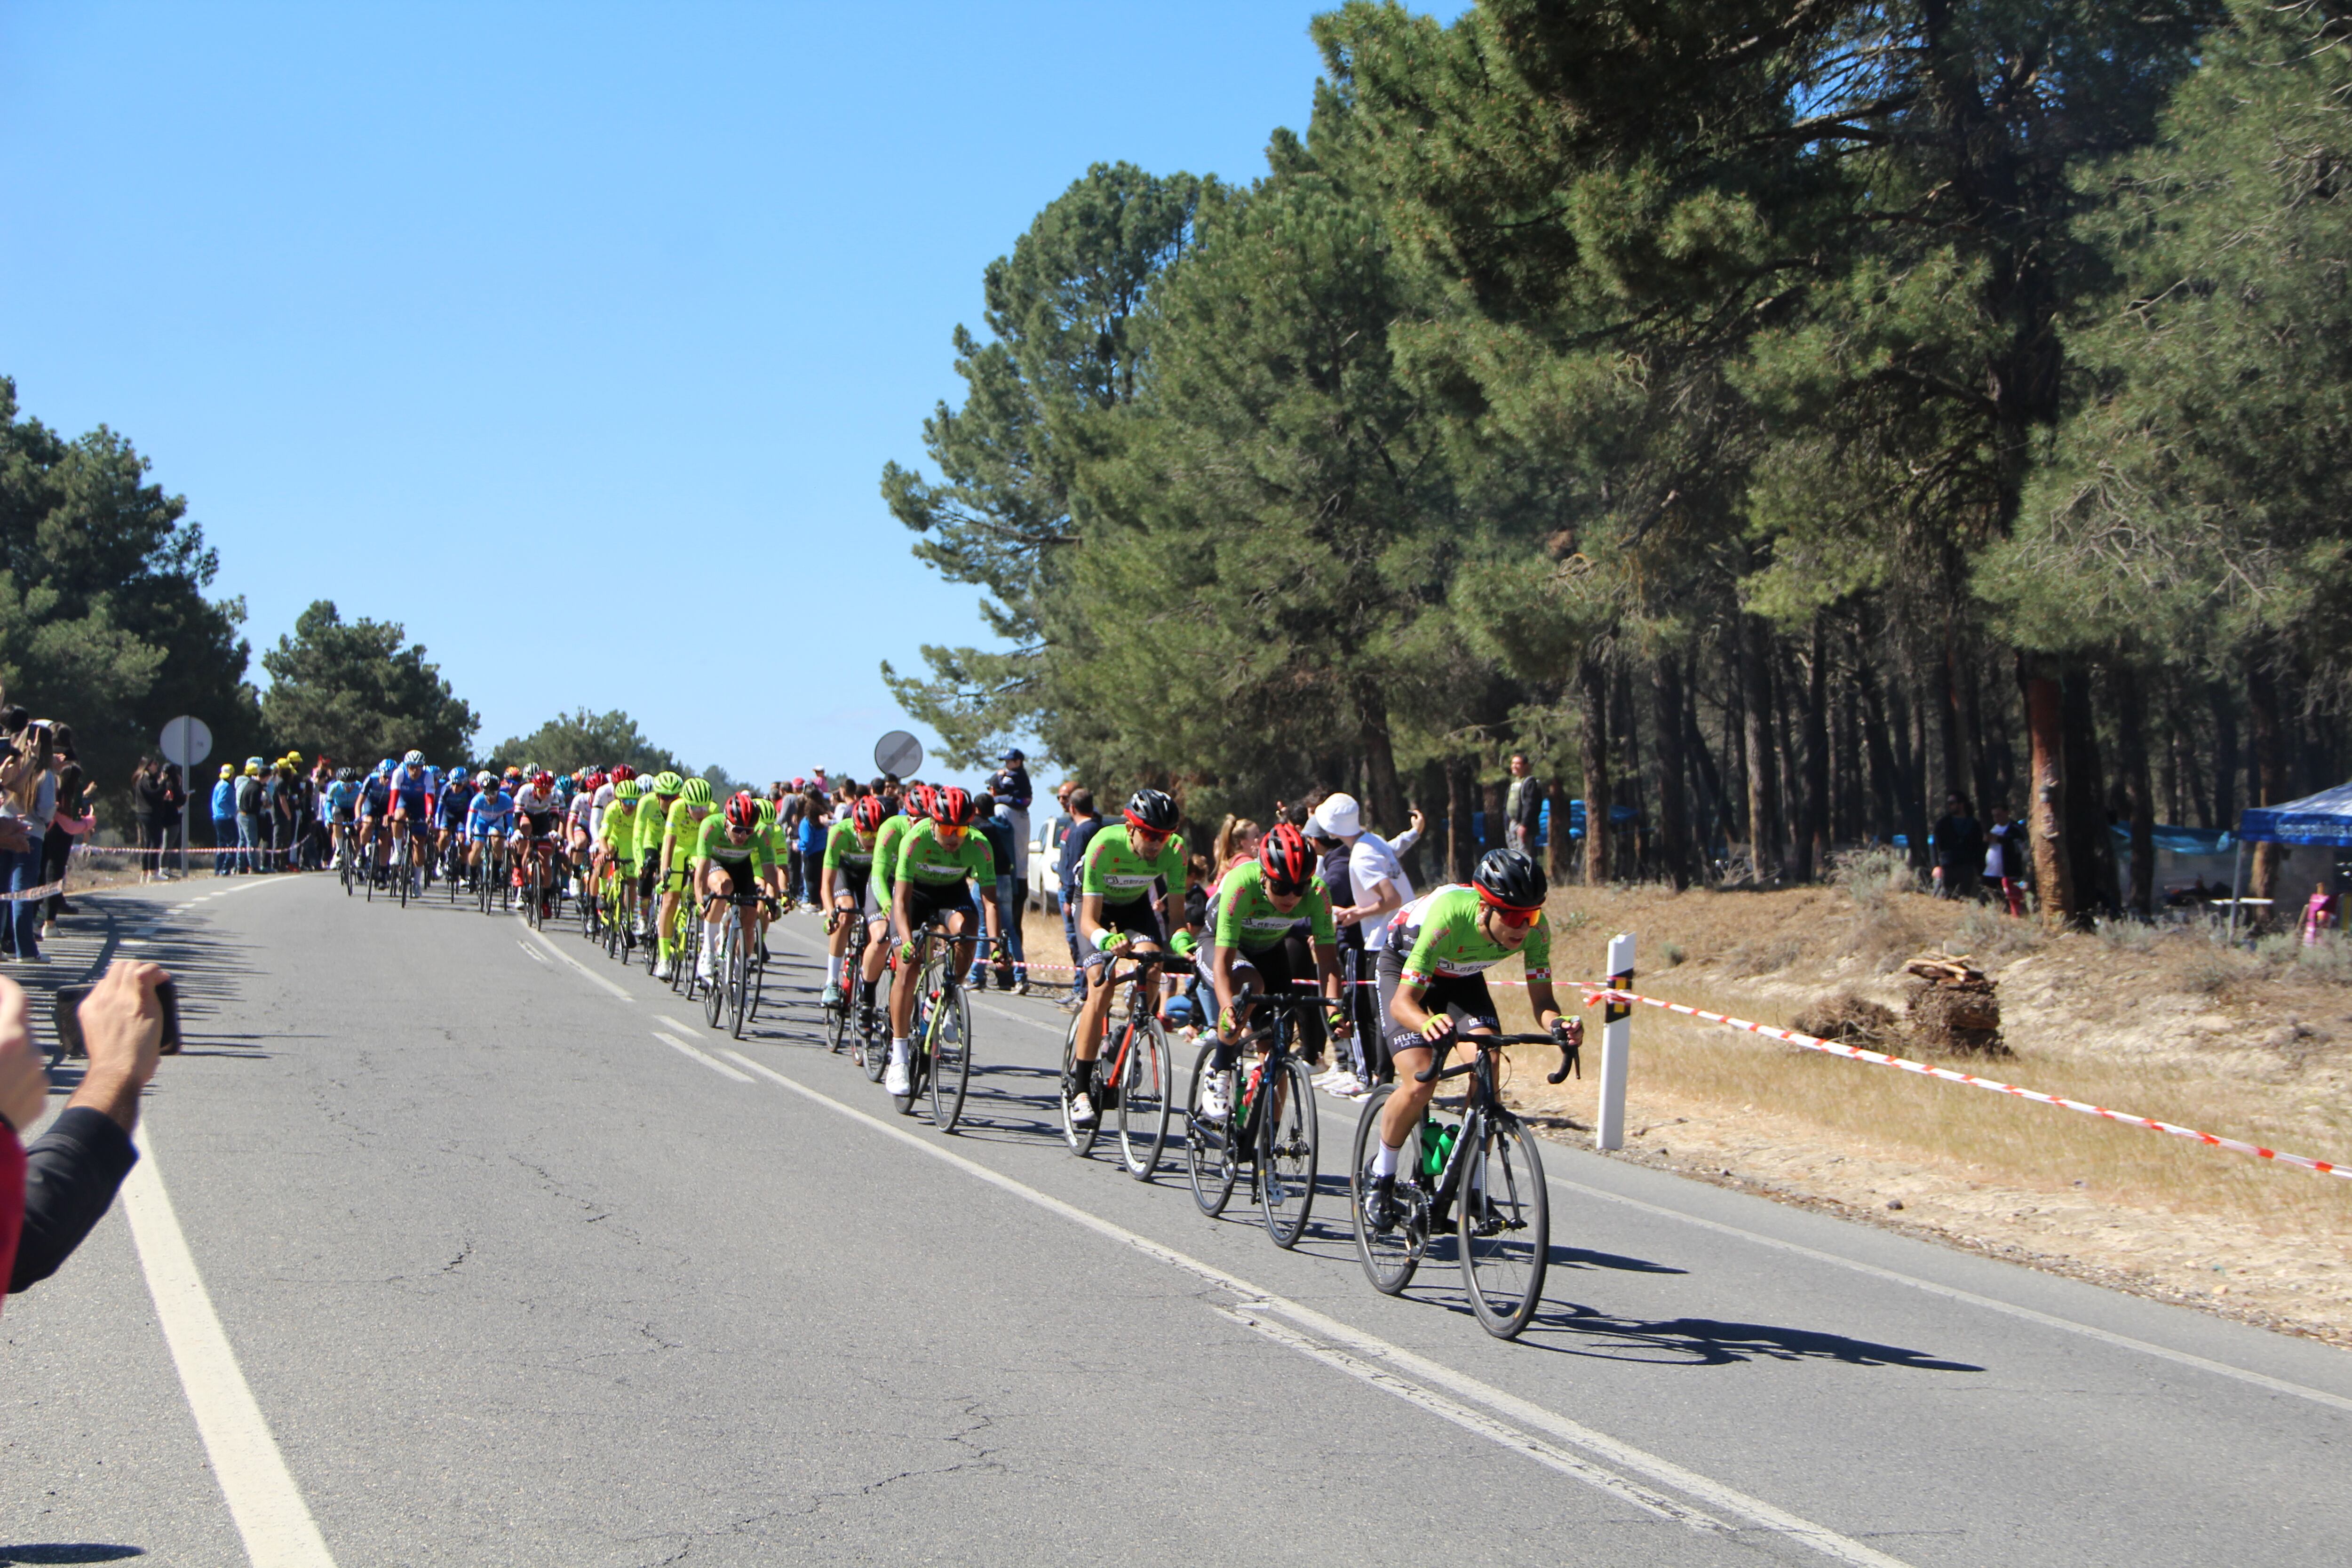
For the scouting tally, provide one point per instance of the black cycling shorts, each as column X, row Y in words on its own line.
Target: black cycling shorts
column 1463, row 998
column 1137, row 918
column 1279, row 970
column 647, row 873
column 926, row 900
column 853, row 883
column 742, row 878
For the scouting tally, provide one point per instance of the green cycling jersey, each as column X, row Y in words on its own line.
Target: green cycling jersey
column 924, row 857
column 846, row 849
column 886, row 841
column 1116, row 874
column 711, row 843
column 1440, row 936
column 1247, row 919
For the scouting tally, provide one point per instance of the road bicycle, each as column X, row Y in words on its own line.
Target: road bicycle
column 408, row 867
column 940, row 1037
column 490, row 876
column 1133, row 1076
column 733, row 991
column 1484, row 1173
column 849, row 1021
column 1269, row 1126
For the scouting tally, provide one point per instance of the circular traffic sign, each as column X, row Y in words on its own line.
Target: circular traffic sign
column 186, row 740
column 898, row 754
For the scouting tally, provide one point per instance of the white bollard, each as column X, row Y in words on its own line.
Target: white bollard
column 1616, row 1044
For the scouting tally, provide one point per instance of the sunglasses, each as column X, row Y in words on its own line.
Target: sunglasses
column 1515, row 919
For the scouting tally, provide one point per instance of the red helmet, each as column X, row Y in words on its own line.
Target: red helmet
column 622, row 771
column 952, row 807
column 542, row 780
column 590, row 782
column 919, row 799
column 1287, row 862
column 868, row 814
column 743, row 811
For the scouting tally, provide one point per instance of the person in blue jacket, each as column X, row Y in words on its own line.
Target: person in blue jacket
column 225, row 822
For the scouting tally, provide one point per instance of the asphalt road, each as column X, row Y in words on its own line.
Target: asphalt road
column 511, row 1279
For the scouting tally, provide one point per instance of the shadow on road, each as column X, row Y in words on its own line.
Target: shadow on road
column 1706, row 1341
column 69, row 1551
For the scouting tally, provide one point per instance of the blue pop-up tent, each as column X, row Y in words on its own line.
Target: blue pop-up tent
column 2322, row 819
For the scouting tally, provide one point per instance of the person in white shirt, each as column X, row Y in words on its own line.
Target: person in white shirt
column 1382, row 888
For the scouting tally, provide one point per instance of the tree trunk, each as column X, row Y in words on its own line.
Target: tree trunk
column 1461, row 842
column 1593, row 753
column 1763, row 762
column 2225, row 703
column 2088, row 838
column 2131, row 763
column 1813, row 832
column 1945, row 690
column 2265, row 765
column 1715, row 801
column 1496, row 792
column 2045, row 812
column 1382, row 796
column 1626, row 776
column 1737, row 828
column 1879, row 749
column 1674, row 821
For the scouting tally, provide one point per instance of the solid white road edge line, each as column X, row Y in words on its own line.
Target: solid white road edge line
column 1600, row 1446
column 1470, row 1420
column 540, row 937
column 268, row 1508
column 705, row 1058
column 1877, row 1271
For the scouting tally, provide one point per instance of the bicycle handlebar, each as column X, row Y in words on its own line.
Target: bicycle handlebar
column 1567, row 1055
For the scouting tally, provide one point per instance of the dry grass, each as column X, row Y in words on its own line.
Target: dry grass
column 2172, row 1025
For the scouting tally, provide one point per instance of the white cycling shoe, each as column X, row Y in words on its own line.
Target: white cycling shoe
column 1217, row 1095
column 897, row 1079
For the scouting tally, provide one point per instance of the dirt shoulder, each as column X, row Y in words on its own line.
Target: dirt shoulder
column 2172, row 1024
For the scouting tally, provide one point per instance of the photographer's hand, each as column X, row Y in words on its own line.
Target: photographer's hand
column 121, row 1027
column 24, row 1078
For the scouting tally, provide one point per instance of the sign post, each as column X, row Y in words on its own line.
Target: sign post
column 1616, row 1047
column 186, row 740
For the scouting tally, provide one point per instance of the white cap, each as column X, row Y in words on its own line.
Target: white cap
column 1337, row 817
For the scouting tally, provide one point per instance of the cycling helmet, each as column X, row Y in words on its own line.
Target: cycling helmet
column 383, row 768
column 346, row 775
column 563, row 781
column 1510, row 879
column 1151, row 811
column 542, row 780
column 695, row 790
column 743, row 812
column 1287, row 862
column 415, row 759
column 868, row 814
column 623, row 771
column 626, row 790
column 666, row 783
column 486, row 779
column 918, row 801
column 952, row 807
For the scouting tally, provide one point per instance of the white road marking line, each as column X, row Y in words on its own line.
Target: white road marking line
column 1485, row 1427
column 268, row 1508
column 1970, row 1298
column 673, row 1023
column 532, row 953
column 540, row 937
column 705, row 1058
column 1600, row 1445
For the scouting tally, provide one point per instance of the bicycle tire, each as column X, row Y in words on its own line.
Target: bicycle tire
column 1081, row 1139
column 950, row 1058
column 408, row 868
column 918, row 1028
column 1505, row 1251
column 1208, row 1163
column 1144, row 1102
column 1389, row 1260
column 749, row 970
column 370, row 874
column 1286, row 1162
column 714, row 999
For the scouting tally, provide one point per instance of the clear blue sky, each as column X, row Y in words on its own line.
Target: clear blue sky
column 435, row 309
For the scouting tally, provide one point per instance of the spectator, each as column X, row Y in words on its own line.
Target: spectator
column 175, row 807
column 147, row 806
column 2319, row 914
column 1011, row 963
column 1083, row 823
column 1237, row 840
column 285, row 814
column 1351, row 1074
column 1009, row 787
column 249, row 844
column 225, row 822
column 28, row 799
column 1376, row 875
column 1523, row 806
column 73, row 1170
column 71, row 820
column 2005, row 862
column 1959, row 850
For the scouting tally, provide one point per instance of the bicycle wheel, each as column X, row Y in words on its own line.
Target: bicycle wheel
column 1505, row 1228
column 928, row 985
column 714, row 1000
column 748, row 971
column 1286, row 1155
column 1209, row 1161
column 1143, row 1102
column 950, row 1056
column 650, row 955
column 368, row 876
column 1389, row 1257
column 1081, row 1139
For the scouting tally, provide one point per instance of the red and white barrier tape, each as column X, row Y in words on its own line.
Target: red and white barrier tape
column 1595, row 994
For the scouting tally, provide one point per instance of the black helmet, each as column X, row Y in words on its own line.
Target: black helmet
column 1151, row 811
column 347, row 775
column 1510, row 878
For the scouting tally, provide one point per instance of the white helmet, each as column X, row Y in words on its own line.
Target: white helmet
column 486, row 779
column 415, row 759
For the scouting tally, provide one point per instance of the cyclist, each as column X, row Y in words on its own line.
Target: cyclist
column 1257, row 906
column 841, row 884
column 410, row 789
column 731, row 859
column 616, row 850
column 1124, row 865
column 341, row 801
column 374, row 803
column 681, row 826
column 491, row 816
column 536, row 811
column 1432, row 986
column 655, row 796
column 450, row 807
column 938, row 862
column 580, row 829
